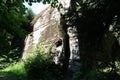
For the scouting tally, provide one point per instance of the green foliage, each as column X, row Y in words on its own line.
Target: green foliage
column 98, row 24
column 40, row 66
column 30, row 15
column 15, row 70
column 53, row 3
column 15, row 25
column 77, row 75
column 8, row 59
column 92, row 75
column 99, row 46
column 96, row 75
column 11, row 17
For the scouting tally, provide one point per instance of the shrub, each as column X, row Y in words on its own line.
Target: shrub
column 9, row 58
column 40, row 66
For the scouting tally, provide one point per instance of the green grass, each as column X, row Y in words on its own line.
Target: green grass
column 15, row 71
column 36, row 67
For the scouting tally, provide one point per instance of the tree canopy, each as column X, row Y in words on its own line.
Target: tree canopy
column 13, row 28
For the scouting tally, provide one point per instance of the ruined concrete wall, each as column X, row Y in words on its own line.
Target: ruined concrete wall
column 45, row 30
column 48, row 26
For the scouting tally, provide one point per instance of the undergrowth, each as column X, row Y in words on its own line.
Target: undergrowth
column 38, row 66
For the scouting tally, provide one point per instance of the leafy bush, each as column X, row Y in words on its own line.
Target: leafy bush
column 9, row 58
column 40, row 66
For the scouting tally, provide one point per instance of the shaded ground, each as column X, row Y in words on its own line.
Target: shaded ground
column 6, row 78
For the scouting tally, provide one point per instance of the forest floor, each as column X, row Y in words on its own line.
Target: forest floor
column 7, row 78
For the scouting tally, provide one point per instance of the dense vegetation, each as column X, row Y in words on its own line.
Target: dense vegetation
column 39, row 66
column 98, row 24
column 15, row 25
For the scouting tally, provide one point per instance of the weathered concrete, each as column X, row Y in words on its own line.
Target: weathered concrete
column 45, row 30
column 74, row 63
column 48, row 29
